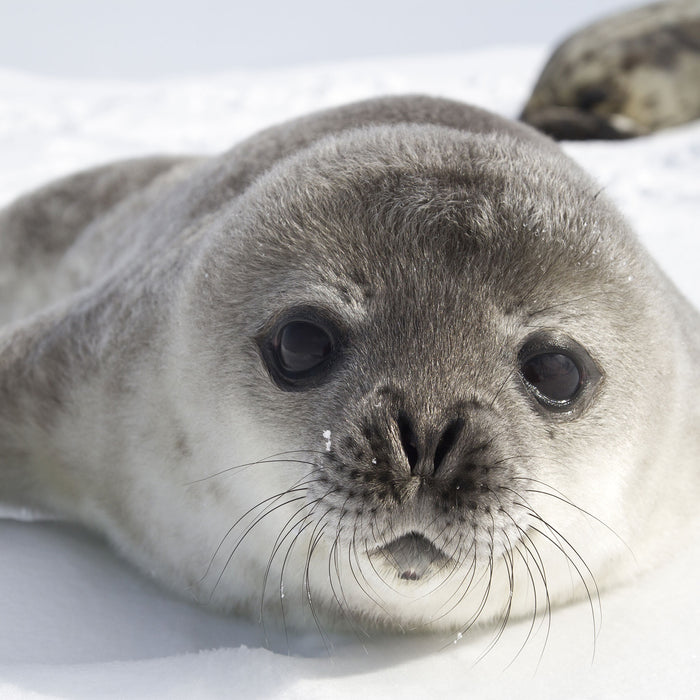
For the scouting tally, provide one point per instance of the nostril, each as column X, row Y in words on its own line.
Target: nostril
column 447, row 441
column 409, row 441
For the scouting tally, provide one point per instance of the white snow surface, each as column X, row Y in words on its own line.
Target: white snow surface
column 78, row 622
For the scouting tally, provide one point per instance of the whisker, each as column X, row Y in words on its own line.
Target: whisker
column 532, row 550
column 531, row 629
column 273, row 498
column 455, row 563
column 508, row 563
column 505, row 617
column 463, row 587
column 293, row 524
column 267, row 460
column 298, row 530
column 352, row 552
column 484, row 599
column 561, row 497
column 240, row 540
column 523, row 540
column 559, row 535
column 589, row 595
column 343, row 604
column 271, row 508
column 313, row 543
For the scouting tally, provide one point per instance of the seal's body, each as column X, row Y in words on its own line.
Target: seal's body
column 625, row 75
column 397, row 363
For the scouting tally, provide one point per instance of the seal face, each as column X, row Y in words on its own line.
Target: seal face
column 626, row 75
column 395, row 364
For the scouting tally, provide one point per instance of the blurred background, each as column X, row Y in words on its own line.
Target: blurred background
column 150, row 39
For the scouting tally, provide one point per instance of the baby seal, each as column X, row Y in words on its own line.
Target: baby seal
column 626, row 75
column 396, row 364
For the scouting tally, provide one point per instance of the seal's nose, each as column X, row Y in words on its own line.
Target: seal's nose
column 426, row 454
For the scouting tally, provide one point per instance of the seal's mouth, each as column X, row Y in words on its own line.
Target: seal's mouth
column 413, row 556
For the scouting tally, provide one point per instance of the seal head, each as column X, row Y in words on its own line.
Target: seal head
column 397, row 364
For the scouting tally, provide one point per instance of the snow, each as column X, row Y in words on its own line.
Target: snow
column 78, row 622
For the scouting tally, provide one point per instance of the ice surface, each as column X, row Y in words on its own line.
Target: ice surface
column 77, row 622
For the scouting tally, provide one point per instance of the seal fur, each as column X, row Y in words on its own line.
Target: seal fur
column 626, row 75
column 419, row 481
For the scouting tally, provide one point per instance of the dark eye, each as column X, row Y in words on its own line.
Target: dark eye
column 555, row 376
column 301, row 347
column 559, row 373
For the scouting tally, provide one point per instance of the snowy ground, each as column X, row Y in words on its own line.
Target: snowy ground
column 78, row 623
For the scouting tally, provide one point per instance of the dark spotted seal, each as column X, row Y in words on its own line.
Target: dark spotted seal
column 626, row 75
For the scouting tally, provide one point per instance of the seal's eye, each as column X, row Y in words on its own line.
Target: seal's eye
column 555, row 377
column 300, row 347
column 559, row 373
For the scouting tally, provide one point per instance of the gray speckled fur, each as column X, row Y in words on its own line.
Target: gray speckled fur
column 438, row 236
column 80, row 250
column 625, row 75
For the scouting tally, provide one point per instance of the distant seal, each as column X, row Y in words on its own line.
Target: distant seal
column 396, row 364
column 623, row 76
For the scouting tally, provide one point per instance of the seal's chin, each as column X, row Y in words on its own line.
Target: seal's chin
column 413, row 556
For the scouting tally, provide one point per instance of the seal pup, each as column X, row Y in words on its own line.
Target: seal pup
column 398, row 364
column 623, row 76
